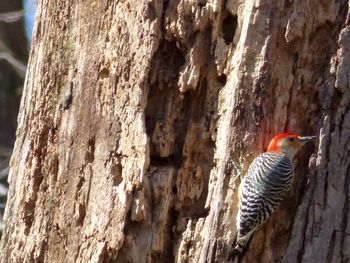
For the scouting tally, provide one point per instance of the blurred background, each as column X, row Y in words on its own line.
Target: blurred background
column 16, row 25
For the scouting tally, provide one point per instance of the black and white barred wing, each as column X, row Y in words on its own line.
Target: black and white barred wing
column 268, row 179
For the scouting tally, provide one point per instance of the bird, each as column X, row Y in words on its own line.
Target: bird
column 269, row 178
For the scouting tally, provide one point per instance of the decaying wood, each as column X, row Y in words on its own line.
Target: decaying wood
column 138, row 121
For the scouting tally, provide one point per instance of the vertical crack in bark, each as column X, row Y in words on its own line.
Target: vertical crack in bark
column 301, row 248
column 331, row 245
column 229, row 25
column 291, row 91
column 345, row 218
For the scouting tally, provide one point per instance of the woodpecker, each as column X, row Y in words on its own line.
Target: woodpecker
column 266, row 183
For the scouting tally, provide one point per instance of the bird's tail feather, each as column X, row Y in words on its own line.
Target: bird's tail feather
column 238, row 249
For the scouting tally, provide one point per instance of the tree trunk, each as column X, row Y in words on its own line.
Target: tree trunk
column 138, row 120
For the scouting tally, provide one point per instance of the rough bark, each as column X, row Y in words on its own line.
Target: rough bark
column 138, row 120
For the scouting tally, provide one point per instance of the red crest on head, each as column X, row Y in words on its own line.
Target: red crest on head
column 273, row 145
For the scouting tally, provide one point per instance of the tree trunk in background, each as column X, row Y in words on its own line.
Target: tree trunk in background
column 138, row 120
column 13, row 57
column 12, row 44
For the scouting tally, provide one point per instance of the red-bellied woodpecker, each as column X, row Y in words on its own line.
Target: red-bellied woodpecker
column 268, row 179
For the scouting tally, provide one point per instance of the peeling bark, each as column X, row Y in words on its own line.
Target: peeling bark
column 138, row 121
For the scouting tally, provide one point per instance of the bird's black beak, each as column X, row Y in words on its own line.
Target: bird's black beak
column 306, row 139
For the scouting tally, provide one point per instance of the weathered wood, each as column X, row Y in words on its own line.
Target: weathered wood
column 138, row 120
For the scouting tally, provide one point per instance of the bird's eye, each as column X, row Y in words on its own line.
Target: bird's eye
column 291, row 139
